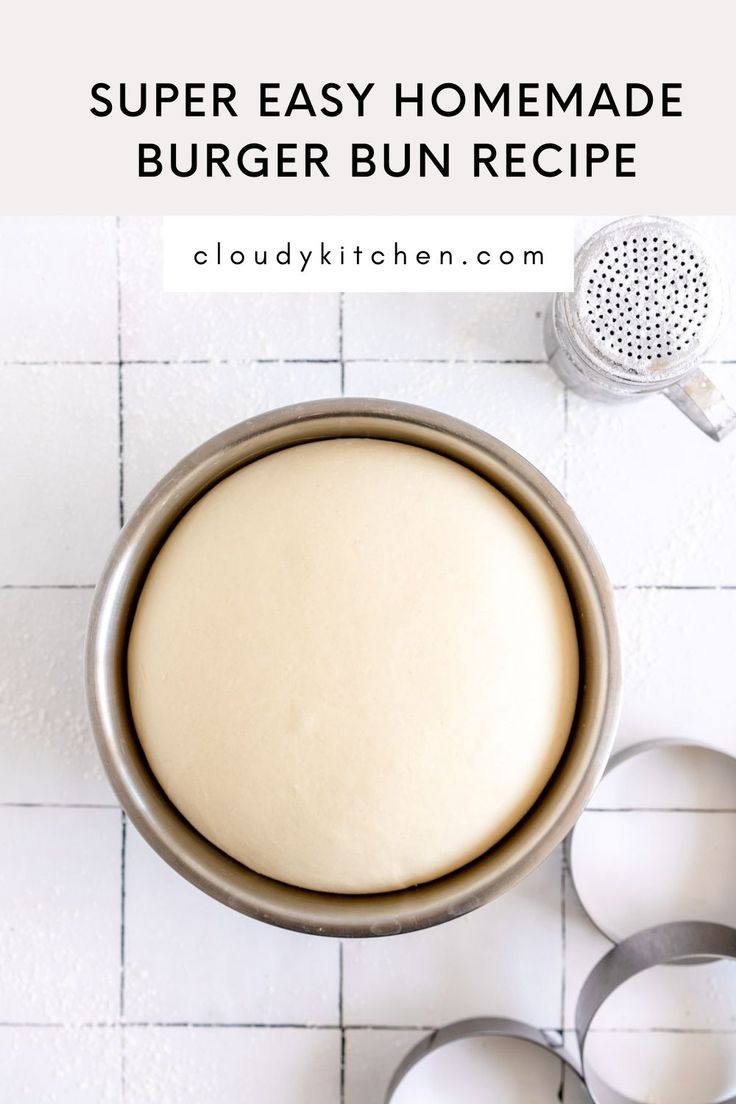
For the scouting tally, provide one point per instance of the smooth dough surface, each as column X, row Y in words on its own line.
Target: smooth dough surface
column 353, row 665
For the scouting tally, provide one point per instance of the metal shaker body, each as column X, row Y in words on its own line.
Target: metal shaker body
column 647, row 306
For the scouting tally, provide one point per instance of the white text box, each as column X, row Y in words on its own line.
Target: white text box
column 433, row 253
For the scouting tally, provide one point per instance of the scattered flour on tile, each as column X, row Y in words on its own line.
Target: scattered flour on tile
column 167, row 1068
column 702, row 496
column 671, row 558
column 643, row 619
column 56, row 1065
column 41, row 693
column 68, row 993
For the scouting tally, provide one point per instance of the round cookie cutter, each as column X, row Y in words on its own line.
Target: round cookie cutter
column 678, row 943
column 684, row 941
column 487, row 1027
column 526, row 845
column 617, row 760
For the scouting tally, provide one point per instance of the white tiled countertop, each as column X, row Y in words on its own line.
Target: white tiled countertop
column 119, row 982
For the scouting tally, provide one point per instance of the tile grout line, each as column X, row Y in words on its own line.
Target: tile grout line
column 121, row 519
column 705, row 587
column 565, row 439
column 448, row 361
column 121, row 440
column 341, row 339
column 56, row 363
column 123, row 1061
column 341, row 1015
column 121, row 427
column 57, row 805
column 563, row 934
column 674, row 586
column 657, row 809
column 121, row 993
column 718, row 809
column 123, row 841
column 341, row 946
column 107, row 1025
column 47, row 586
column 115, row 1025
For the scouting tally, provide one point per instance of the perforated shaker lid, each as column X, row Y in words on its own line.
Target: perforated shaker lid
column 648, row 300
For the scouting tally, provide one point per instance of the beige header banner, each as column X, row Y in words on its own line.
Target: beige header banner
column 394, row 107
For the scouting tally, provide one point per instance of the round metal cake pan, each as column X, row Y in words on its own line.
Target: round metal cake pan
column 221, row 876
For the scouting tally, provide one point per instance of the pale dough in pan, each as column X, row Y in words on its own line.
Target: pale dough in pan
column 353, row 665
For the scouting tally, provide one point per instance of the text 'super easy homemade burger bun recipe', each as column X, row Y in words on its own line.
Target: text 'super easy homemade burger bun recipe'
column 353, row 665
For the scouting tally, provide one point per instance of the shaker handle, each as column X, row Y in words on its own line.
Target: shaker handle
column 700, row 399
